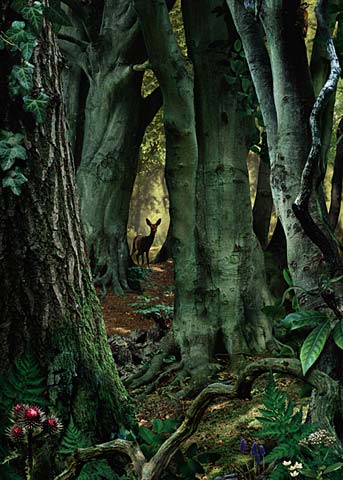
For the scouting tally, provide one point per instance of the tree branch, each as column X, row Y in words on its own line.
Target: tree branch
column 301, row 204
column 327, row 394
column 250, row 32
column 85, row 455
column 151, row 105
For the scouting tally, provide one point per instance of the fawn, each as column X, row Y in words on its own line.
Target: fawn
column 142, row 244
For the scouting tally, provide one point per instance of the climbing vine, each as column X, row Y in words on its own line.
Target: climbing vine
column 18, row 41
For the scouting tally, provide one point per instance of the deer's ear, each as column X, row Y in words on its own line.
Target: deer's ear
column 158, row 221
column 148, row 222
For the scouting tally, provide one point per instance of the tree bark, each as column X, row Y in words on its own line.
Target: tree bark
column 230, row 259
column 47, row 298
column 116, row 116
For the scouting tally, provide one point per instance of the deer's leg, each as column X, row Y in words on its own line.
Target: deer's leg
column 137, row 258
column 147, row 257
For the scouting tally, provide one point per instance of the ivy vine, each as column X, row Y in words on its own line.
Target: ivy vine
column 20, row 40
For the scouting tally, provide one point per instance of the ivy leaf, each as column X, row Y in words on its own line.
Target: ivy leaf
column 313, row 345
column 307, row 318
column 14, row 180
column 18, row 34
column 21, row 79
column 56, row 15
column 338, row 334
column 11, row 150
column 18, row 5
column 27, row 49
column 37, row 106
column 34, row 15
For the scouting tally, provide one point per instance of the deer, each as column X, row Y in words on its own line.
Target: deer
column 141, row 244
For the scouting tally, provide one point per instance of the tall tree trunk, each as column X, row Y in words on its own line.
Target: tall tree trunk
column 286, row 98
column 230, row 260
column 175, row 76
column 47, row 298
column 116, row 116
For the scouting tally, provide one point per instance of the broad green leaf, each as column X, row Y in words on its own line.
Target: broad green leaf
column 17, row 34
column 37, row 106
column 334, row 467
column 14, row 180
column 338, row 334
column 307, row 318
column 147, row 435
column 313, row 345
column 27, row 49
column 34, row 15
column 22, row 76
column 18, row 5
column 246, row 84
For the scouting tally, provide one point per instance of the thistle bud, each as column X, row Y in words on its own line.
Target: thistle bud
column 52, row 425
column 16, row 432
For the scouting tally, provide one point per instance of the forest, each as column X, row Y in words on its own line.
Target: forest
column 171, row 239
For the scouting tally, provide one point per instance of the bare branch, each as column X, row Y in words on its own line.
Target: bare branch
column 85, row 455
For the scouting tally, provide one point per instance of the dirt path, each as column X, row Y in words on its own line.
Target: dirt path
column 121, row 317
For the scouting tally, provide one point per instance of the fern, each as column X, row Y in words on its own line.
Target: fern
column 281, row 423
column 96, row 470
column 72, row 440
column 25, row 383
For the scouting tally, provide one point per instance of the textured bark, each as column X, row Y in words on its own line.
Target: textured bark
column 229, row 257
column 285, row 92
column 47, row 297
column 175, row 77
column 116, row 116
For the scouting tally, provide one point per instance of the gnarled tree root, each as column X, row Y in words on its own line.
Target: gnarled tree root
column 328, row 395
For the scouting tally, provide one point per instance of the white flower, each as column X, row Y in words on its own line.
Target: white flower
column 286, row 463
column 294, row 474
column 298, row 465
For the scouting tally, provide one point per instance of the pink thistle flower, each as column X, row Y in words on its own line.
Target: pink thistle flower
column 16, row 432
column 33, row 416
column 52, row 425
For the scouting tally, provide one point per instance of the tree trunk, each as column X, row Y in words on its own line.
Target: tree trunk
column 116, row 116
column 286, row 97
column 230, row 260
column 47, row 298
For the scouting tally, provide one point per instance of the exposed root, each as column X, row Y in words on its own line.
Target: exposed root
column 326, row 387
column 157, row 364
column 152, row 387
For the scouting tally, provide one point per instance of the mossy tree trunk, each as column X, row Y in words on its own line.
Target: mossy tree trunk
column 47, row 296
column 115, row 119
column 218, row 262
column 230, row 260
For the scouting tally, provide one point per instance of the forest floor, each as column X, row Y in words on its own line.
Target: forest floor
column 226, row 421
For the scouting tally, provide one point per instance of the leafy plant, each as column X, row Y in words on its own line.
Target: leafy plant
column 73, row 439
column 20, row 40
column 154, row 310
column 280, row 422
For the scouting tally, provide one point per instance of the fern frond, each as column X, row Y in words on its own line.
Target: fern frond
column 72, row 439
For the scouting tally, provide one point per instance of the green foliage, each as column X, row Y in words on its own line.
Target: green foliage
column 72, row 439
column 338, row 334
column 21, row 38
column 37, row 106
column 25, row 383
column 308, row 318
column 153, row 310
column 139, row 274
column 281, row 423
column 314, row 344
column 96, row 470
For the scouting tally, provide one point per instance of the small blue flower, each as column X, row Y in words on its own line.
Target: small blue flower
column 257, row 459
column 262, row 450
column 254, row 449
column 243, row 445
